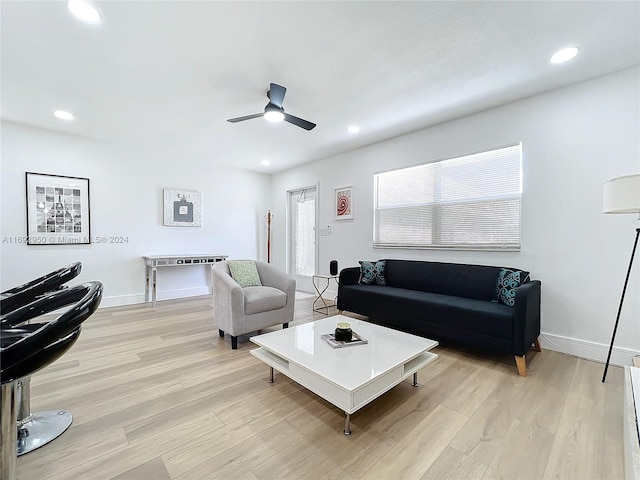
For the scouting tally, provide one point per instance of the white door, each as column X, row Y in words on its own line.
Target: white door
column 302, row 237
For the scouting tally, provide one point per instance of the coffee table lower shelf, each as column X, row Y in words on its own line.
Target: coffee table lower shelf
column 346, row 399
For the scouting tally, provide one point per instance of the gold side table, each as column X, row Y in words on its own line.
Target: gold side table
column 323, row 281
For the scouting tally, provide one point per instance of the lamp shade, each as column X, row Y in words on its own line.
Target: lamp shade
column 622, row 195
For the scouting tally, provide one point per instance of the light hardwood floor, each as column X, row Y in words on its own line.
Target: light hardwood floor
column 156, row 394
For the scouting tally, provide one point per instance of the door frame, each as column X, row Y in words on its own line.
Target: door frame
column 288, row 232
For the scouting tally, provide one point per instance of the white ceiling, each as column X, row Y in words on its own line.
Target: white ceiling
column 166, row 75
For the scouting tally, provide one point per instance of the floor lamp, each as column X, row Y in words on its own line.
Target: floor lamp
column 622, row 195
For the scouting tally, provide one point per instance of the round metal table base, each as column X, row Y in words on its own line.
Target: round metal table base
column 41, row 428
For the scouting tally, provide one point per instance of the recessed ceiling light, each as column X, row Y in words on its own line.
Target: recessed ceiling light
column 63, row 115
column 564, row 55
column 353, row 129
column 266, row 163
column 84, row 11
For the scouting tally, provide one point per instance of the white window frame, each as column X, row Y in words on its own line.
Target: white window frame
column 436, row 206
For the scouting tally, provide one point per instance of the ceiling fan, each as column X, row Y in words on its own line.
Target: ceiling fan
column 274, row 112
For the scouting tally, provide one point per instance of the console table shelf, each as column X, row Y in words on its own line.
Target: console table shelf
column 153, row 262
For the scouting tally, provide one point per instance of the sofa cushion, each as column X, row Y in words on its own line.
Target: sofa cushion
column 508, row 281
column 468, row 314
column 373, row 273
column 245, row 273
column 263, row 299
column 413, row 310
column 460, row 280
column 370, row 299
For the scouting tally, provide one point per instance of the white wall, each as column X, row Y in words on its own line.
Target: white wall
column 126, row 200
column 574, row 139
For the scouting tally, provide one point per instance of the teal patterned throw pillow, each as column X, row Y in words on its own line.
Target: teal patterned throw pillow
column 508, row 281
column 373, row 273
column 245, row 273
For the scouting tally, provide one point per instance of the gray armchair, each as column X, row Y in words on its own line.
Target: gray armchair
column 240, row 310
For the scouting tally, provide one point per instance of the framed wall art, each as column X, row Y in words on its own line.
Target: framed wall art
column 57, row 210
column 344, row 203
column 182, row 208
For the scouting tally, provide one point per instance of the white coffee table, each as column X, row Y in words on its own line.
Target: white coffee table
column 348, row 377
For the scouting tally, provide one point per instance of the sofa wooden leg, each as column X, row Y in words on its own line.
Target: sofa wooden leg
column 221, row 333
column 536, row 345
column 234, row 342
column 340, row 312
column 521, row 362
column 285, row 325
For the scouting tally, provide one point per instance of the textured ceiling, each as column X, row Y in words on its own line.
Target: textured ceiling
column 166, row 75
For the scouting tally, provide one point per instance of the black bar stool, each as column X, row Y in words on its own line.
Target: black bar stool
column 24, row 351
column 38, row 428
column 19, row 296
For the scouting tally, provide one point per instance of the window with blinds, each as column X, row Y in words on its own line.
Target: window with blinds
column 470, row 202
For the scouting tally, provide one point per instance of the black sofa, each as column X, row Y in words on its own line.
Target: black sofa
column 450, row 302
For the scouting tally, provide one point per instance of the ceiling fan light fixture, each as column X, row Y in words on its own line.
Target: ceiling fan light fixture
column 274, row 116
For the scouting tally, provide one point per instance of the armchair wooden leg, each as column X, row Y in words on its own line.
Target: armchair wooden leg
column 536, row 345
column 285, row 325
column 340, row 312
column 234, row 342
column 221, row 333
column 521, row 362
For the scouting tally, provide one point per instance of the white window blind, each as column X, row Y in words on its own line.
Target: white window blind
column 469, row 202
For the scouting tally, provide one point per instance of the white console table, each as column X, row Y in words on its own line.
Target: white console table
column 153, row 262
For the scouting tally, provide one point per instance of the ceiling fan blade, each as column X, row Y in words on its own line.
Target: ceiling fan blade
column 298, row 122
column 276, row 94
column 247, row 117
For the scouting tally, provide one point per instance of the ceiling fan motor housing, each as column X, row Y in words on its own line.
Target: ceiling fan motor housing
column 273, row 113
column 270, row 107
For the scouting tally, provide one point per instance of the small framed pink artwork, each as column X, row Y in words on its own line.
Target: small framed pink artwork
column 344, row 203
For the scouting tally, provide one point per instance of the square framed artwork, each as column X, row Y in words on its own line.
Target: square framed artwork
column 344, row 203
column 182, row 208
column 57, row 210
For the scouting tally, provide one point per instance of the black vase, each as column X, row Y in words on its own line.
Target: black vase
column 343, row 332
column 333, row 267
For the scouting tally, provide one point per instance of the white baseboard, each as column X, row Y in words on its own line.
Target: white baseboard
column 300, row 295
column 589, row 350
column 122, row 300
